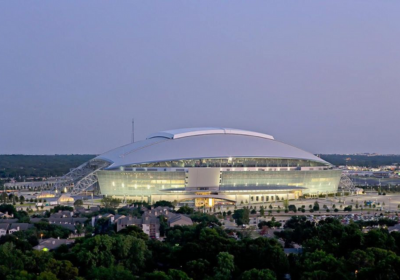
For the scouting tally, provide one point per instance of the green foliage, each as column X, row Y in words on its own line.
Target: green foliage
column 109, row 202
column 78, row 202
column 225, row 266
column 271, row 224
column 39, row 165
column 361, row 160
column 164, row 203
column 316, row 206
column 204, row 218
column 285, row 204
column 110, row 273
column 206, row 251
column 258, row 274
column 198, row 269
column 241, row 216
column 348, row 208
column 61, row 208
column 185, row 210
column 51, row 230
column 173, row 274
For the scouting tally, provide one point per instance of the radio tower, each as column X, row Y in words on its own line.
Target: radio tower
column 133, row 130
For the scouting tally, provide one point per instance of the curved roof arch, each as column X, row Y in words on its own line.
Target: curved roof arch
column 203, row 143
column 189, row 132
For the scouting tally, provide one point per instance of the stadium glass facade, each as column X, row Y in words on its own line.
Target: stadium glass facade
column 271, row 178
column 232, row 162
column 319, row 181
column 139, row 183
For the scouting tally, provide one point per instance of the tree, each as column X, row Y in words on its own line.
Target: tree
column 164, row 203
column 256, row 274
column 111, row 273
column 109, row 202
column 78, row 202
column 316, row 206
column 286, row 204
column 262, row 211
column 46, row 275
column 185, row 210
column 241, row 216
column 198, row 269
column 63, row 270
column 225, row 266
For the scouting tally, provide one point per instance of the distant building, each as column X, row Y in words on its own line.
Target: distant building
column 381, row 174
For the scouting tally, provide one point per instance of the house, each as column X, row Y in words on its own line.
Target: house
column 19, row 227
column 128, row 221
column 62, row 214
column 180, row 220
column 3, row 229
column 8, row 221
column 6, row 215
column 394, row 228
column 52, row 243
column 150, row 223
column 151, row 226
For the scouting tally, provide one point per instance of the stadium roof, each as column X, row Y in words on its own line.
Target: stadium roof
column 188, row 132
column 197, row 143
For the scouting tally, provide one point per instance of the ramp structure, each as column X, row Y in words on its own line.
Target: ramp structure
column 346, row 184
column 81, row 178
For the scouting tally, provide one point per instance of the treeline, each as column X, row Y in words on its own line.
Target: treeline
column 335, row 251
column 189, row 252
column 361, row 160
column 331, row 251
column 22, row 166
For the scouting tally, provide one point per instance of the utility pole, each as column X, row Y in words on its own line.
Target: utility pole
column 133, row 130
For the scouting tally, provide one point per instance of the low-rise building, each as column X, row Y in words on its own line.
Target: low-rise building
column 52, row 243
column 150, row 223
column 3, row 229
column 19, row 227
column 180, row 220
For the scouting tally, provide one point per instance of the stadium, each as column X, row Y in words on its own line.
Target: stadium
column 208, row 166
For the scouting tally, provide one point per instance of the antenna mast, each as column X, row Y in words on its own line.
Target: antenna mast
column 133, row 130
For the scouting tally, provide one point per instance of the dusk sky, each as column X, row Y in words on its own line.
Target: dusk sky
column 321, row 75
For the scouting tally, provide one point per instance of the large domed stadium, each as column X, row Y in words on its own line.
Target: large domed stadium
column 209, row 166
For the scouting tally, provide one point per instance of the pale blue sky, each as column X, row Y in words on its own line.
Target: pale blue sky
column 320, row 75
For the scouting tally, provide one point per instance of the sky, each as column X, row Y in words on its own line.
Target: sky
column 321, row 75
